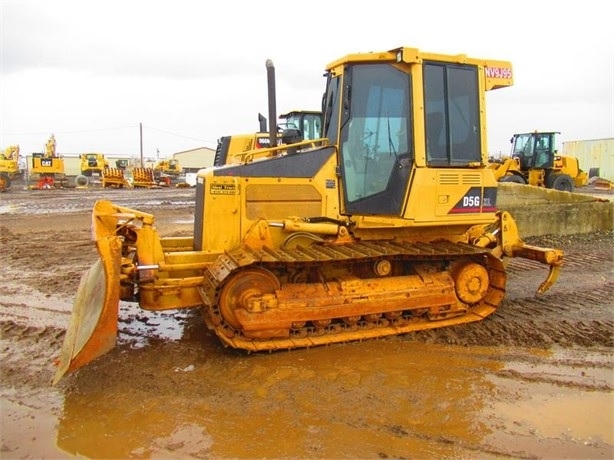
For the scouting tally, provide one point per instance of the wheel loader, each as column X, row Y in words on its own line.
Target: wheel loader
column 388, row 227
column 535, row 161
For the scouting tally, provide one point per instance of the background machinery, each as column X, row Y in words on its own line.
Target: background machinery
column 122, row 163
column 388, row 227
column 535, row 161
column 309, row 122
column 243, row 148
column 93, row 163
column 128, row 173
column 9, row 166
column 167, row 170
column 118, row 177
column 47, row 168
column 170, row 167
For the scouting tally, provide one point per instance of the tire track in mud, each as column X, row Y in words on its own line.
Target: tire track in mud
column 51, row 262
column 42, row 345
column 523, row 323
column 580, row 383
column 72, row 200
column 576, row 311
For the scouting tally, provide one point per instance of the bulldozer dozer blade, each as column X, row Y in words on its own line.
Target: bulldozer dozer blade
column 92, row 330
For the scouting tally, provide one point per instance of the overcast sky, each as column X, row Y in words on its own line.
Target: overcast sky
column 191, row 71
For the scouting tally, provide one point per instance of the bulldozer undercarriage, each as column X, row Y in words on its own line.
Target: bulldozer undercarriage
column 292, row 298
column 306, row 292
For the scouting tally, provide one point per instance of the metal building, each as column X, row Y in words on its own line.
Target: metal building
column 195, row 159
column 596, row 156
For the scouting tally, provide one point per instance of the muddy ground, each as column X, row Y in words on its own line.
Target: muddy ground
column 534, row 380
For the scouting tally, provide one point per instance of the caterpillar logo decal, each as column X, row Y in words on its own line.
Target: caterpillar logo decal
column 477, row 199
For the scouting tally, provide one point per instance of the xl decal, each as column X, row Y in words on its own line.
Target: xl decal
column 477, row 199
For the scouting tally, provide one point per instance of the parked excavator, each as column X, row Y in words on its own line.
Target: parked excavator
column 389, row 226
column 47, row 167
column 535, row 161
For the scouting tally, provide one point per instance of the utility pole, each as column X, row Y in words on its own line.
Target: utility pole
column 141, row 137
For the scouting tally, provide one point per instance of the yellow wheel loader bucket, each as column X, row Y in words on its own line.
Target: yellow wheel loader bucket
column 92, row 330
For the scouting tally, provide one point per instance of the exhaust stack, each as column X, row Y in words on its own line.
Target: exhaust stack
column 270, row 70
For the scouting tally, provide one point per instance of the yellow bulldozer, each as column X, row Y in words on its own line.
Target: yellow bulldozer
column 9, row 166
column 166, row 170
column 309, row 122
column 93, row 163
column 389, row 227
column 306, row 125
column 535, row 161
column 170, row 167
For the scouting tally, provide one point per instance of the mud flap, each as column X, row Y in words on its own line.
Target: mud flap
column 92, row 330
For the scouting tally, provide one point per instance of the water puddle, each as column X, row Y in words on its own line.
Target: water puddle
column 184, row 221
column 138, row 328
column 567, row 396
column 41, row 425
column 6, row 209
column 380, row 398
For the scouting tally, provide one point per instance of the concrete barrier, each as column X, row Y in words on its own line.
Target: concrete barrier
column 539, row 211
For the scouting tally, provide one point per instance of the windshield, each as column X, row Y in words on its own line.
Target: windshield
column 310, row 124
column 523, row 145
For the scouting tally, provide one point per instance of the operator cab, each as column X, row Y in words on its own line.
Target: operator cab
column 309, row 123
column 534, row 150
column 383, row 127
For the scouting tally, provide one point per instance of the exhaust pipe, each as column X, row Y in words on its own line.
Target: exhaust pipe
column 272, row 103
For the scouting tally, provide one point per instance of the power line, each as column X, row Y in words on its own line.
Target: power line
column 40, row 133
column 176, row 134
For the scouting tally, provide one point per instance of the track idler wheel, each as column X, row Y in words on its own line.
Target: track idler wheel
column 243, row 290
column 471, row 281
